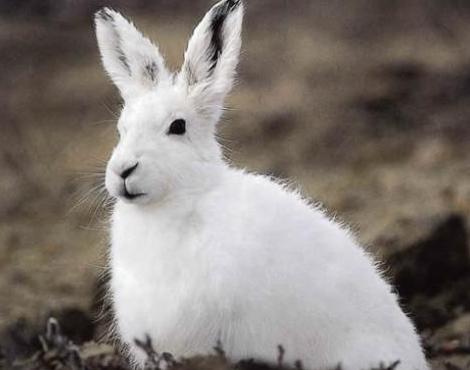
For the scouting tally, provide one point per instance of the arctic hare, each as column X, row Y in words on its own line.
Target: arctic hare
column 202, row 252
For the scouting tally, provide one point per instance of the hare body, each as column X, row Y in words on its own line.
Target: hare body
column 253, row 265
column 202, row 252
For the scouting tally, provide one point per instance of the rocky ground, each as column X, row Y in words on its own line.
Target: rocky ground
column 365, row 105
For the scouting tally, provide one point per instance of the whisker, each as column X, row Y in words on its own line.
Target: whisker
column 103, row 122
column 111, row 111
column 92, row 193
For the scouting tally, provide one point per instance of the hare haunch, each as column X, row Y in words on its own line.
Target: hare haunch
column 202, row 252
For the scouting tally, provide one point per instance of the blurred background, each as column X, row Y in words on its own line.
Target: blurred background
column 364, row 103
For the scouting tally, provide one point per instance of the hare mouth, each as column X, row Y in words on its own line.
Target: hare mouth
column 130, row 196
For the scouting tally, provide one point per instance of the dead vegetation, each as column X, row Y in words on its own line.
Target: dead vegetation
column 57, row 352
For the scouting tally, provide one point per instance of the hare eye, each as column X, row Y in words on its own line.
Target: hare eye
column 177, row 127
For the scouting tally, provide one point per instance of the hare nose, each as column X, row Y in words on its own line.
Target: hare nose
column 128, row 171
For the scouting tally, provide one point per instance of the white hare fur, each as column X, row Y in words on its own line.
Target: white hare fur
column 202, row 252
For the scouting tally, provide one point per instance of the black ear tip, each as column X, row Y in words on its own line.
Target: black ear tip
column 104, row 14
column 228, row 6
column 232, row 4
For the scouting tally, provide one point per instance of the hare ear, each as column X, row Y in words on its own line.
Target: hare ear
column 212, row 56
column 134, row 64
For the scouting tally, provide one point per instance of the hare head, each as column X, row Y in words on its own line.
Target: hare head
column 168, row 120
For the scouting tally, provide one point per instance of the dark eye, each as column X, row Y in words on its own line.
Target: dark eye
column 177, row 127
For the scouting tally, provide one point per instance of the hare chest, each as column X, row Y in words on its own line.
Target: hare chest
column 162, row 286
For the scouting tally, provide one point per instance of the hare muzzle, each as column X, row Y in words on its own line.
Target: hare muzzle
column 122, row 180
